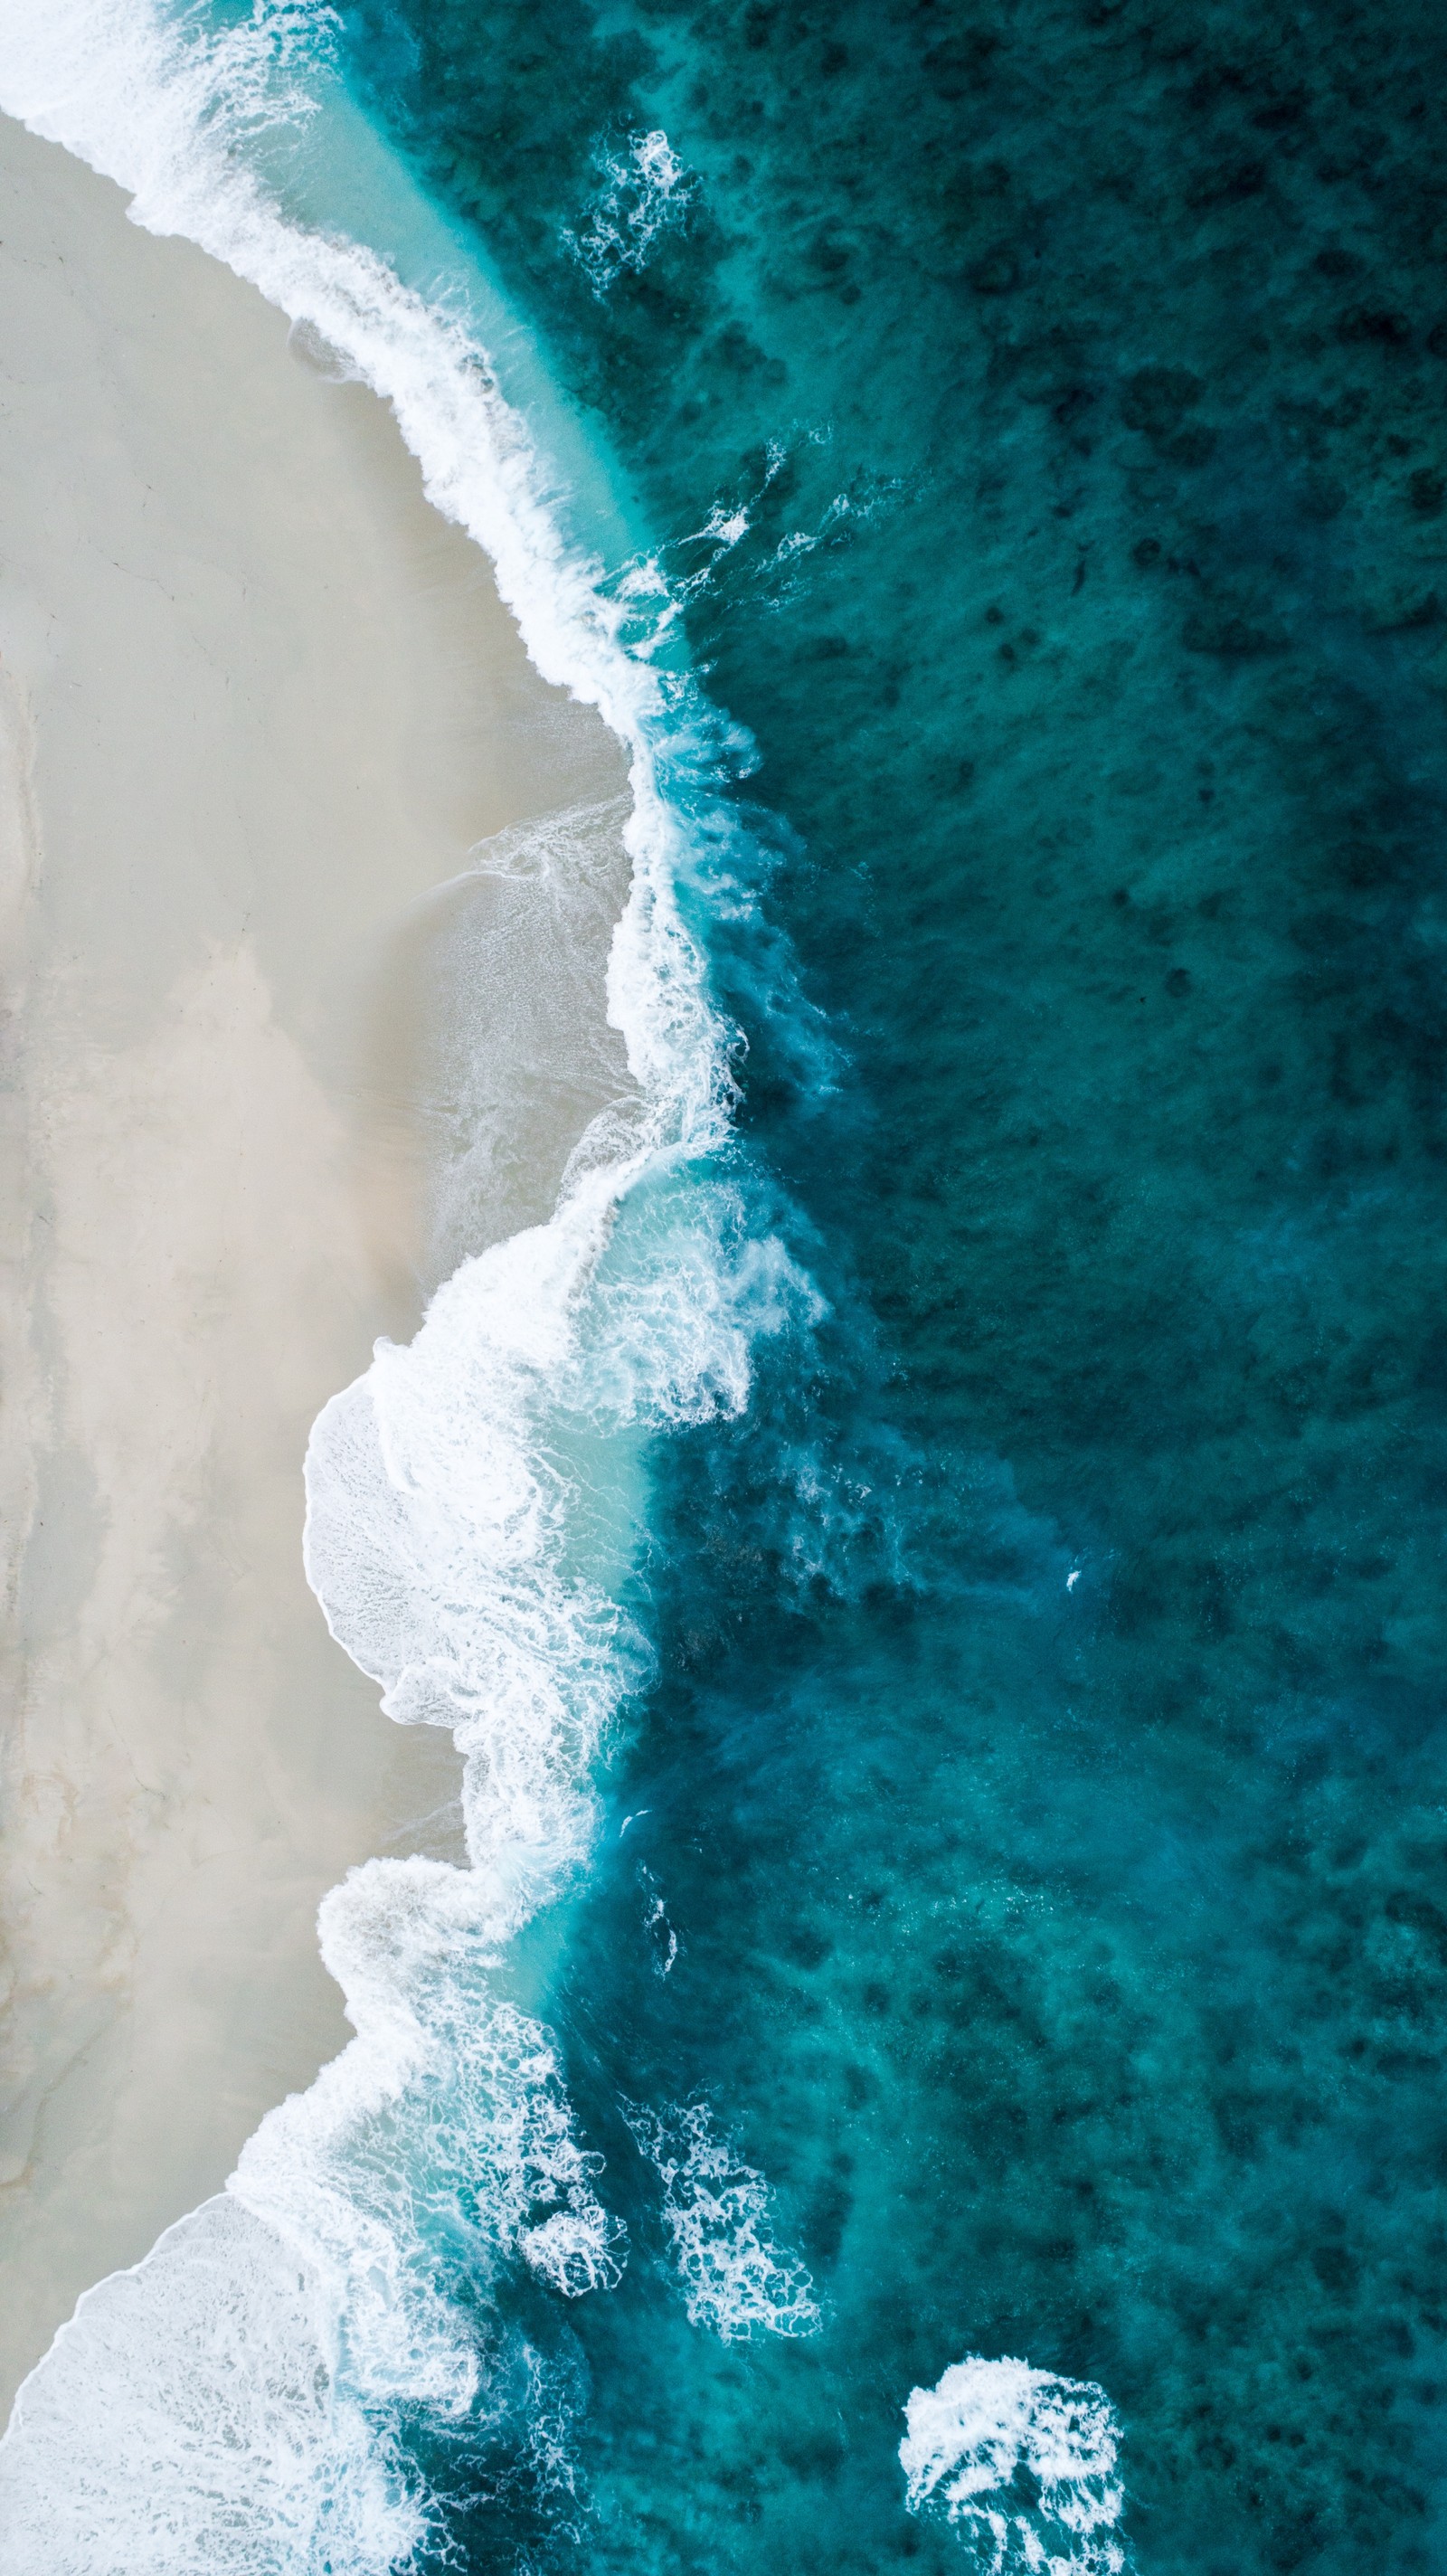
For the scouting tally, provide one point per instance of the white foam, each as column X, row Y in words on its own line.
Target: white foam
column 643, row 191
column 1023, row 2462
column 513, row 1058
column 736, row 2281
column 188, row 2418
column 444, row 2125
column 471, row 1511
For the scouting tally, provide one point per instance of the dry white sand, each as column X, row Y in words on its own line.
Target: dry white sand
column 256, row 699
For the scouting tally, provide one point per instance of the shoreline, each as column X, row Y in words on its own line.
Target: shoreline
column 261, row 705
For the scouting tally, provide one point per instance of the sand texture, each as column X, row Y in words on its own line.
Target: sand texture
column 257, row 701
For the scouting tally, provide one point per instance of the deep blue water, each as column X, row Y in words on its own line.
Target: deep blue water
column 1071, row 1957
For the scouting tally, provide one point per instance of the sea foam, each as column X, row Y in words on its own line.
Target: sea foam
column 640, row 193
column 716, row 2208
column 1023, row 2463
column 187, row 2417
column 472, row 1512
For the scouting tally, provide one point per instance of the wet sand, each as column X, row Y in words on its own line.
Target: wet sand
column 257, row 703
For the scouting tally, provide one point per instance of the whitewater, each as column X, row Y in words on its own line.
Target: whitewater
column 263, row 2392
column 473, row 1514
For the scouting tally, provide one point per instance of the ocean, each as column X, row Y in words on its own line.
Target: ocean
column 934, row 1553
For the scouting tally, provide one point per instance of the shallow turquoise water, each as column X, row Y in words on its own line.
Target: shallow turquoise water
column 1043, row 1774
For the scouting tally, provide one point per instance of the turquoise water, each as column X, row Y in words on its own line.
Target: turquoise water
column 1017, row 1926
column 1053, row 1834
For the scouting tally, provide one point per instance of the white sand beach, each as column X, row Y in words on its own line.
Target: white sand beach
column 257, row 701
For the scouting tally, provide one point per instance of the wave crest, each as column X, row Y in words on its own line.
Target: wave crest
column 1023, row 2463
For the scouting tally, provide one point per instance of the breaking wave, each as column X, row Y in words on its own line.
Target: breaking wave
column 735, row 2279
column 1022, row 2463
column 473, row 1512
